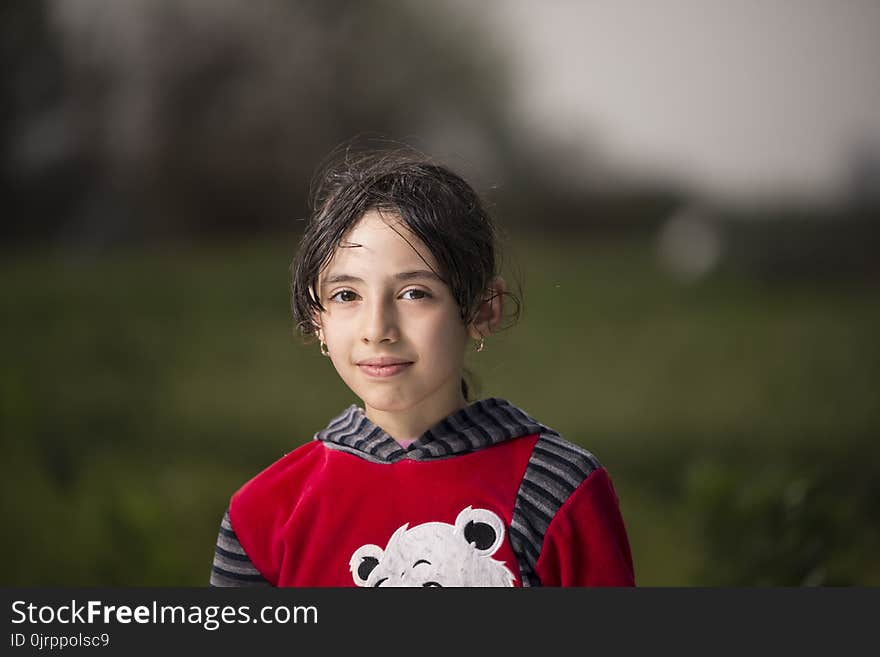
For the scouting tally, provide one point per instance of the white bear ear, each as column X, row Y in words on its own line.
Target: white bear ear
column 480, row 528
column 363, row 561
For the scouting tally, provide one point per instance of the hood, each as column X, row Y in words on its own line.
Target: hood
column 482, row 424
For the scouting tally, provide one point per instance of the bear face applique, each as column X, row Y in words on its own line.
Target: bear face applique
column 437, row 554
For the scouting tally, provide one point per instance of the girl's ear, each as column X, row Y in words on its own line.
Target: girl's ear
column 491, row 310
column 317, row 324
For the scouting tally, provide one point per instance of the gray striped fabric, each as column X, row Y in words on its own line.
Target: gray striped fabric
column 232, row 566
column 483, row 423
column 556, row 468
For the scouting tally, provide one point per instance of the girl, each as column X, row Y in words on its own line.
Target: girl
column 396, row 276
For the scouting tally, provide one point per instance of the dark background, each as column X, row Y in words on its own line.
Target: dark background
column 722, row 362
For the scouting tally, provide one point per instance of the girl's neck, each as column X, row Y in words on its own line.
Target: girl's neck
column 409, row 425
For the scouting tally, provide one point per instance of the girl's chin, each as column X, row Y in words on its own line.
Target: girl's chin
column 384, row 398
column 386, row 406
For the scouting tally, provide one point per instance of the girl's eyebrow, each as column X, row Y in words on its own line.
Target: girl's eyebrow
column 402, row 276
column 419, row 273
column 342, row 278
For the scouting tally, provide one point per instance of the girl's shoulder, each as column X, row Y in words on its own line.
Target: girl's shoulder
column 553, row 451
column 274, row 484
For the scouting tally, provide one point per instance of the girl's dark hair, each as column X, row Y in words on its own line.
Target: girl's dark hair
column 437, row 205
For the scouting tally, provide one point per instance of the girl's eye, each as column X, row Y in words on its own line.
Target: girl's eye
column 344, row 296
column 414, row 294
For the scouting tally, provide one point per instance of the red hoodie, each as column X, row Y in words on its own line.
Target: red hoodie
column 486, row 497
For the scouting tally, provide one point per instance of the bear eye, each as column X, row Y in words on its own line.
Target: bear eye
column 379, row 583
column 432, row 584
column 481, row 534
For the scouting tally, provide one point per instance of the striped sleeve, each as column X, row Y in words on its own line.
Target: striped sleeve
column 555, row 469
column 232, row 566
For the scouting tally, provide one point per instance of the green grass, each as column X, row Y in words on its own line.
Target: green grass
column 140, row 388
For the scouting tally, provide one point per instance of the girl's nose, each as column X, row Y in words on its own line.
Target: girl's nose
column 380, row 324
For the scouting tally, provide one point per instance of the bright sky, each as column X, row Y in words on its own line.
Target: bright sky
column 745, row 98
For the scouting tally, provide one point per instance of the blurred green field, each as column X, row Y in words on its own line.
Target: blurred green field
column 739, row 419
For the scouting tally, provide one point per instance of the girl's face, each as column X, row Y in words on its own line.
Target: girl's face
column 394, row 333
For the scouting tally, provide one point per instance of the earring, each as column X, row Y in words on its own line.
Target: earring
column 480, row 346
column 324, row 350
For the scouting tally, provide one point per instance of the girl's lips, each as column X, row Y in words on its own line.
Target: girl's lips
column 382, row 371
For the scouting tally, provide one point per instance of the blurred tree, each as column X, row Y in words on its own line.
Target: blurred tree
column 210, row 117
column 42, row 170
